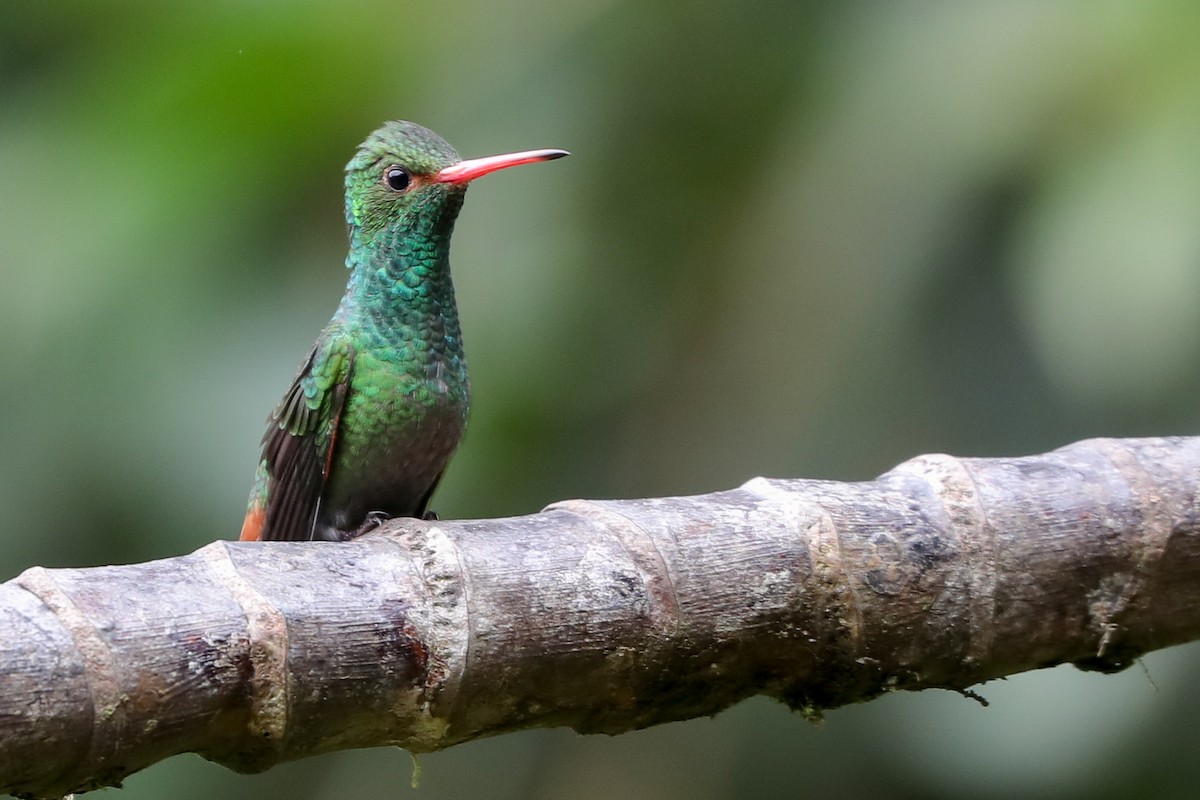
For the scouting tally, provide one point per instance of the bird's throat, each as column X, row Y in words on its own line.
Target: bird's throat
column 400, row 298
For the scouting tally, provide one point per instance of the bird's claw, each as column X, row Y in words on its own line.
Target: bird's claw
column 370, row 522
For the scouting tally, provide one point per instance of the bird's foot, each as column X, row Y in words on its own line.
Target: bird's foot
column 374, row 519
column 370, row 522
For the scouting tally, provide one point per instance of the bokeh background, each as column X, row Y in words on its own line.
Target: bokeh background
column 796, row 239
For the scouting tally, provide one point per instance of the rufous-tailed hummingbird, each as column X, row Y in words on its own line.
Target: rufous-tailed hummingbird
column 380, row 402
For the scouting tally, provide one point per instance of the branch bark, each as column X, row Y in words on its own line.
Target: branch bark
column 602, row 616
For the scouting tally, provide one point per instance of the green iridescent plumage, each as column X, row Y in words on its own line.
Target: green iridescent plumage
column 380, row 402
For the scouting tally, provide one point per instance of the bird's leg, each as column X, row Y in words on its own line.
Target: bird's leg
column 370, row 522
column 374, row 519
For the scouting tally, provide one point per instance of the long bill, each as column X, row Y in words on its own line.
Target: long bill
column 473, row 168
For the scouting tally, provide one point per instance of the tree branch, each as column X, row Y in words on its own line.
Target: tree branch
column 602, row 616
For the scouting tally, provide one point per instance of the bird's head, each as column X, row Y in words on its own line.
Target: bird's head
column 406, row 180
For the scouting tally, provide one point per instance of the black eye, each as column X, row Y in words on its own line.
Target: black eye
column 397, row 178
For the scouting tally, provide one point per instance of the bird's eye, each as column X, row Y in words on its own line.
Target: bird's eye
column 397, row 178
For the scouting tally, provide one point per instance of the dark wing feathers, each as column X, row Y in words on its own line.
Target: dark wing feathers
column 298, row 444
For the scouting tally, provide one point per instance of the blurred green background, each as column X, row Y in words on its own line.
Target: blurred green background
column 796, row 239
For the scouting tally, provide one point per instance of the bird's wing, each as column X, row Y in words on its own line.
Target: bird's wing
column 298, row 446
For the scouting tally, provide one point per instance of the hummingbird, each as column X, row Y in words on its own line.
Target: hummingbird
column 380, row 402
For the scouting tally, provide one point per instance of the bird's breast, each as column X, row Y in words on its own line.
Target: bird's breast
column 400, row 425
column 402, row 390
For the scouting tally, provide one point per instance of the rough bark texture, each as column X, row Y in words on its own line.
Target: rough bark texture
column 602, row 616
